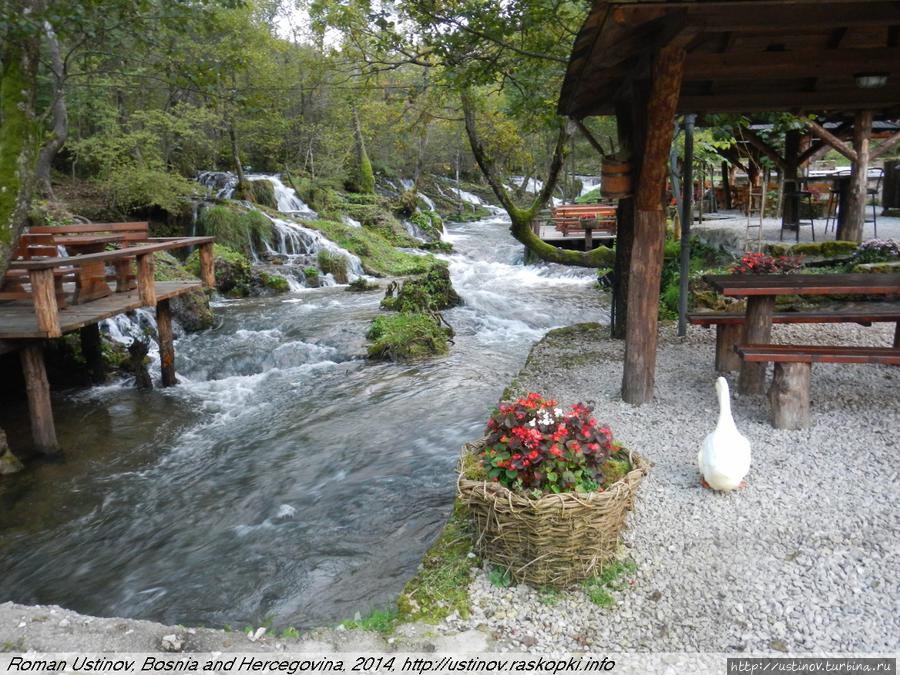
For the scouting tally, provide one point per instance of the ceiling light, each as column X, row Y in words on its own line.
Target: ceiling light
column 870, row 80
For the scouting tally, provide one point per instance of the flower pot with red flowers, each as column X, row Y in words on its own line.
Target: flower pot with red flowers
column 548, row 491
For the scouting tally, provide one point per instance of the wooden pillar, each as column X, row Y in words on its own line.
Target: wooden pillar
column 757, row 331
column 588, row 239
column 166, row 343
column 789, row 396
column 207, row 266
column 45, row 308
column 92, row 351
column 631, row 122
column 727, row 181
column 791, row 204
column 146, row 282
column 650, row 229
column 897, row 336
column 43, row 430
column 728, row 335
column 856, row 203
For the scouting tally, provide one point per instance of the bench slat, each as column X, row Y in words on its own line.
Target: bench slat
column 876, row 313
column 818, row 354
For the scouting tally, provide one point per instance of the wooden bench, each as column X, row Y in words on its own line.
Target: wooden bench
column 789, row 392
column 34, row 246
column 730, row 325
column 584, row 219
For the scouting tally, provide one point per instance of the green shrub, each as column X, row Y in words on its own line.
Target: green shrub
column 135, row 187
column 236, row 228
column 405, row 337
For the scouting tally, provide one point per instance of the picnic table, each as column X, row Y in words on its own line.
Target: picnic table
column 761, row 291
column 90, row 279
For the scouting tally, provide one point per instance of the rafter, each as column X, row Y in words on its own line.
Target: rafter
column 832, row 140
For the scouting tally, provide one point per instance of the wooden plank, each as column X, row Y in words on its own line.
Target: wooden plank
column 145, row 283
column 745, row 285
column 43, row 430
column 778, row 96
column 18, row 321
column 207, row 265
column 861, row 315
column 91, row 227
column 798, row 63
column 763, row 353
column 109, row 256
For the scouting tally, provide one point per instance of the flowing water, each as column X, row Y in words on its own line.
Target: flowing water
column 286, row 476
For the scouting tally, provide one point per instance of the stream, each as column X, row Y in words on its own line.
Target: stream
column 286, row 478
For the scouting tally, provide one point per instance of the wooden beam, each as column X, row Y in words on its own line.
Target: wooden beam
column 207, row 265
column 832, row 140
column 781, row 98
column 787, row 65
column 885, row 146
column 595, row 144
column 166, row 343
column 43, row 429
column 757, row 141
column 647, row 256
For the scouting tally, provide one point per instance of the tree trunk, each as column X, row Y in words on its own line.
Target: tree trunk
column 859, row 171
column 19, row 56
column 364, row 180
column 60, row 131
column 650, row 229
column 243, row 190
column 521, row 219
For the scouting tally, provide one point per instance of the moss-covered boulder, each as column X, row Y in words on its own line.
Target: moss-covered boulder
column 263, row 192
column 361, row 285
column 430, row 292
column 407, row 337
column 334, row 264
column 235, row 226
column 311, row 274
column 817, row 250
column 233, row 272
column 270, row 283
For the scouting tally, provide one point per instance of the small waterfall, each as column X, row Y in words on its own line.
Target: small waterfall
column 301, row 244
column 218, row 184
column 286, row 197
column 352, row 222
column 425, row 198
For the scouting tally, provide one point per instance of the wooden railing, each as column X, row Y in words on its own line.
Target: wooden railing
column 41, row 273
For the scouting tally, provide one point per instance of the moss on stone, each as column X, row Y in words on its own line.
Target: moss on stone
column 878, row 268
column 430, row 292
column 263, row 192
column 334, row 264
column 407, row 337
column 378, row 256
column 361, row 285
column 233, row 271
column 166, row 267
column 821, row 249
column 440, row 587
column 274, row 282
column 235, row 226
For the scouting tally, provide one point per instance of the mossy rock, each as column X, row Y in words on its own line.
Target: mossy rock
column 430, row 292
column 271, row 282
column 878, row 268
column 233, row 271
column 407, row 337
column 821, row 249
column 334, row 264
column 166, row 267
column 234, row 226
column 311, row 274
column 362, row 285
column 192, row 311
column 263, row 192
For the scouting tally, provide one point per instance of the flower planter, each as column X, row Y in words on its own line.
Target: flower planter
column 555, row 540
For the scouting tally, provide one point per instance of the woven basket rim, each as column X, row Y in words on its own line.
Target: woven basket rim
column 640, row 468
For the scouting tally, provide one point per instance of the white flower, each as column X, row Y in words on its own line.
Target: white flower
column 558, row 412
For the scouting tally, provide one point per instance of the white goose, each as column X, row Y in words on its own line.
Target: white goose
column 724, row 459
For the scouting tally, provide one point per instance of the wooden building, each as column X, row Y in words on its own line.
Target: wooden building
column 645, row 61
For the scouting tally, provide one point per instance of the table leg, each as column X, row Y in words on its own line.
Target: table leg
column 843, row 207
column 90, row 282
column 757, row 330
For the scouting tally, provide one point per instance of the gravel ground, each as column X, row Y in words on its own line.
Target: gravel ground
column 805, row 559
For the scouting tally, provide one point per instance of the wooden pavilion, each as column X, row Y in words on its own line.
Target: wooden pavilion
column 647, row 60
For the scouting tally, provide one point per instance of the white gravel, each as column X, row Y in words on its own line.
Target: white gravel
column 805, row 559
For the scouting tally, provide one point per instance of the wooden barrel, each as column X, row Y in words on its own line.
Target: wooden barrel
column 615, row 179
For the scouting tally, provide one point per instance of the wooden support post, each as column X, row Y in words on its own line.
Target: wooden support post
column 650, row 228
column 43, row 430
column 46, row 310
column 789, row 396
column 92, row 351
column 146, row 283
column 588, row 239
column 859, row 171
column 757, row 330
column 791, row 204
column 897, row 336
column 166, row 344
column 207, row 266
column 125, row 280
column 728, row 335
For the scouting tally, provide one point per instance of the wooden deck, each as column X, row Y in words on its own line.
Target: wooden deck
column 18, row 320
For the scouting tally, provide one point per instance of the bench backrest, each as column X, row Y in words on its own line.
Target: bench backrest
column 132, row 232
column 35, row 245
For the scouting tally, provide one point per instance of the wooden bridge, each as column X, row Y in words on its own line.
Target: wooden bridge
column 45, row 295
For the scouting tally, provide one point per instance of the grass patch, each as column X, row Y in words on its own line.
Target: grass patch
column 441, row 585
column 406, row 337
column 166, row 267
column 334, row 264
column 378, row 621
column 598, row 588
column 378, row 256
column 234, row 226
column 430, row 292
column 500, row 577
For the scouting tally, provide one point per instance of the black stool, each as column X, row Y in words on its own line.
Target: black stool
column 800, row 195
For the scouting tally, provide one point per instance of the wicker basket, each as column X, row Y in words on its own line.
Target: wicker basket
column 555, row 540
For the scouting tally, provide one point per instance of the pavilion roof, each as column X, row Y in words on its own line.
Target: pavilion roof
column 742, row 55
